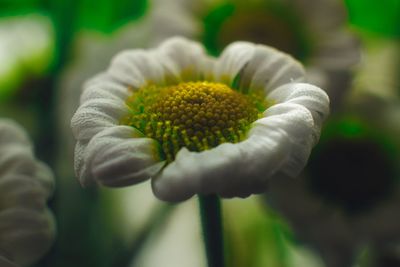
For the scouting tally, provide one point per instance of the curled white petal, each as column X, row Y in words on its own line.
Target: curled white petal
column 18, row 190
column 299, row 125
column 11, row 132
column 270, row 68
column 120, row 156
column 135, row 68
column 26, row 234
column 232, row 61
column 81, row 170
column 307, row 95
column 183, row 60
column 104, row 86
column 95, row 115
column 256, row 66
column 16, row 158
column 102, row 107
column 238, row 170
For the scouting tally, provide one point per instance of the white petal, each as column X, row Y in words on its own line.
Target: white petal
column 229, row 170
column 183, row 60
column 298, row 124
column 270, row 68
column 81, row 170
column 26, row 234
column 120, row 156
column 256, row 67
column 16, row 158
column 307, row 95
column 95, row 115
column 104, row 86
column 238, row 170
column 26, row 226
column 232, row 61
column 19, row 190
column 136, row 68
column 11, row 132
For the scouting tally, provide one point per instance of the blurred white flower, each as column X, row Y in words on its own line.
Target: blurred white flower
column 377, row 74
column 26, row 225
column 312, row 31
column 197, row 124
column 349, row 193
column 26, row 49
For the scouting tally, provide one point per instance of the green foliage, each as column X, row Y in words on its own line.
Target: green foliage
column 106, row 15
column 380, row 16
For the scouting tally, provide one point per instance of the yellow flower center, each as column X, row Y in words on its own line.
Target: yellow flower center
column 195, row 115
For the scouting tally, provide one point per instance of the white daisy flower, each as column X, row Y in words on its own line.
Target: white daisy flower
column 197, row 124
column 349, row 193
column 312, row 31
column 26, row 224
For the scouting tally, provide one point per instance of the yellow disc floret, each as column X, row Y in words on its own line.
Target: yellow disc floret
column 195, row 115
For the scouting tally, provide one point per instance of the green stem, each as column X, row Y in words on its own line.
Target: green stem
column 210, row 211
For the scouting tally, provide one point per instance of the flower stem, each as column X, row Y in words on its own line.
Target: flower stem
column 211, row 220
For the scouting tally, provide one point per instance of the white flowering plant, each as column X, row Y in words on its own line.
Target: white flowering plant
column 213, row 104
column 27, row 227
column 197, row 124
